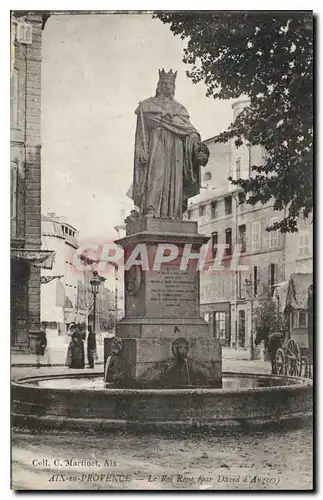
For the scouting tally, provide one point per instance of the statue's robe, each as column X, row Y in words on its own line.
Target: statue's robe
column 164, row 182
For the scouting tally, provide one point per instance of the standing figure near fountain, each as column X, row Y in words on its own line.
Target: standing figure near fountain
column 91, row 347
column 168, row 154
column 75, row 353
column 41, row 345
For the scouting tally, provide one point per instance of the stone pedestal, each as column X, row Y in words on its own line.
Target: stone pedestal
column 162, row 299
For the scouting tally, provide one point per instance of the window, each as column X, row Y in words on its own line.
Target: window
column 214, row 209
column 242, row 198
column 242, row 328
column 255, row 280
column 241, row 285
column 272, row 278
column 220, row 325
column 214, row 242
column 238, row 168
column 201, row 210
column 256, row 227
column 207, row 176
column 24, row 33
column 228, row 241
column 242, row 237
column 207, row 317
column 13, row 30
column 189, row 214
column 228, row 205
column 13, row 197
column 14, row 97
column 20, row 201
column 273, row 235
column 295, row 319
column 304, row 244
column 302, row 319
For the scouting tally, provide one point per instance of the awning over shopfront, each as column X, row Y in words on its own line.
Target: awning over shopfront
column 48, row 279
column 37, row 258
column 294, row 292
column 280, row 295
column 297, row 296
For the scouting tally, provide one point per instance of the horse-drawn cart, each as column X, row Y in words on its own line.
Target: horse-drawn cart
column 295, row 357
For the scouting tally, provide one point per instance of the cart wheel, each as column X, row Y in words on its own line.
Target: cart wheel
column 280, row 362
column 293, row 359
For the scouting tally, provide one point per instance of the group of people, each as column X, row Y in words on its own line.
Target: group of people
column 75, row 353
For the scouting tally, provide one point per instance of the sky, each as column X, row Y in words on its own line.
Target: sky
column 95, row 71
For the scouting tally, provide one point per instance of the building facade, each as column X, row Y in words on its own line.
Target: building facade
column 66, row 294
column 25, row 178
column 230, row 295
column 59, row 289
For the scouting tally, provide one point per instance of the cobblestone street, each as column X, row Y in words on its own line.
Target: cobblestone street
column 258, row 460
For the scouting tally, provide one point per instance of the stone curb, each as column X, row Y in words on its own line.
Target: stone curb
column 34, row 365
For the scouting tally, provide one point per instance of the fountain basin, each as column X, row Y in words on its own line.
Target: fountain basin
column 80, row 402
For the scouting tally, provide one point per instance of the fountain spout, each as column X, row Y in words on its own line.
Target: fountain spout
column 117, row 369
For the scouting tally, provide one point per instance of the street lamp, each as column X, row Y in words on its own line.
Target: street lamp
column 95, row 283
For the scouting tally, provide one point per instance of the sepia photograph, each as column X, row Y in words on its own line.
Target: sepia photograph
column 161, row 250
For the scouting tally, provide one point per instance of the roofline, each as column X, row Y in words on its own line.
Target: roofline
column 54, row 235
column 212, row 139
column 47, row 218
column 216, row 197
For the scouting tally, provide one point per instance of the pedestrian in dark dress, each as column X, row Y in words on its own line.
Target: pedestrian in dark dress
column 41, row 345
column 75, row 353
column 91, row 347
column 82, row 330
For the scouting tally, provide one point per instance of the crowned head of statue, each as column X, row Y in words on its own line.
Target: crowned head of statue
column 166, row 83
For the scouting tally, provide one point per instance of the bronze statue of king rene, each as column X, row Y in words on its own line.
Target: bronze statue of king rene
column 168, row 154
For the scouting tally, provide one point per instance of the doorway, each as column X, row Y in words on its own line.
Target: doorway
column 242, row 328
column 19, row 324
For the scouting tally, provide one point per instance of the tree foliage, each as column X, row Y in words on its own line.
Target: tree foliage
column 268, row 57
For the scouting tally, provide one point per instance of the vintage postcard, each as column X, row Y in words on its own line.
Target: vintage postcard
column 161, row 250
